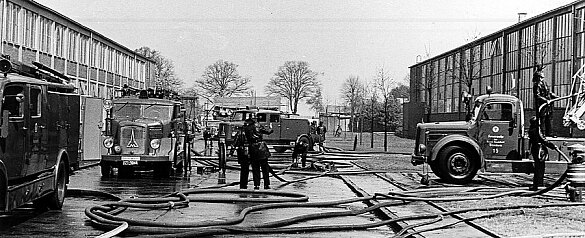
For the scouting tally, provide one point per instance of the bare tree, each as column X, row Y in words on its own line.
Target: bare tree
column 384, row 84
column 221, row 79
column 352, row 92
column 164, row 73
column 316, row 101
column 540, row 50
column 294, row 81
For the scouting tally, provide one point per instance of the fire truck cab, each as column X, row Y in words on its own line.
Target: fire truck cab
column 39, row 135
column 143, row 133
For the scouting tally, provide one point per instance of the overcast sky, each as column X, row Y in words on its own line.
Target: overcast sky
column 337, row 38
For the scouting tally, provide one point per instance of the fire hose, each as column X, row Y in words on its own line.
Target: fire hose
column 106, row 216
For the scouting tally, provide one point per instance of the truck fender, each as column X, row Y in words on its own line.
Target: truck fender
column 311, row 142
column 62, row 155
column 459, row 140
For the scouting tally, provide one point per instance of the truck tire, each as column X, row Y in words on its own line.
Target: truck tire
column 55, row 199
column 456, row 165
column 163, row 170
column 125, row 171
column 435, row 168
column 106, row 170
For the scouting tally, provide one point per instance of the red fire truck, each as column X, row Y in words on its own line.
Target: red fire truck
column 39, row 135
column 144, row 132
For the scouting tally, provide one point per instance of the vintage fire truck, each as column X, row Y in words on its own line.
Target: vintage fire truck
column 494, row 139
column 144, row 132
column 39, row 135
column 287, row 130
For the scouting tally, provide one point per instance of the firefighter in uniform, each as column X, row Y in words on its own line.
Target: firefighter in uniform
column 259, row 153
column 538, row 144
column 241, row 145
column 542, row 95
column 301, row 148
column 321, row 131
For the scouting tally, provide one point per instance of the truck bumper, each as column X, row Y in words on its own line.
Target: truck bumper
column 134, row 160
column 417, row 159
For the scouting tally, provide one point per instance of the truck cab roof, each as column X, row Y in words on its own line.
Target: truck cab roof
column 496, row 97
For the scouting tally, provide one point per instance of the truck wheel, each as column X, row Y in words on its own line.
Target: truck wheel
column 307, row 141
column 163, row 170
column 456, row 165
column 56, row 198
column 106, row 170
column 435, row 168
column 125, row 171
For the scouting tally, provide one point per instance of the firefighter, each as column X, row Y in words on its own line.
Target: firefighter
column 241, row 145
column 542, row 95
column 300, row 149
column 259, row 152
column 321, row 130
column 538, row 144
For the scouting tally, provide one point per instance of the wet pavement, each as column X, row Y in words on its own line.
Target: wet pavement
column 72, row 222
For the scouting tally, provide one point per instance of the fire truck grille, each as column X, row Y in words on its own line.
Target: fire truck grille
column 132, row 140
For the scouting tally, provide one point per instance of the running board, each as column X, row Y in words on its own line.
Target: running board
column 20, row 194
column 523, row 166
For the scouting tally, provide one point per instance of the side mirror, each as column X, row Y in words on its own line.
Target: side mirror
column 468, row 116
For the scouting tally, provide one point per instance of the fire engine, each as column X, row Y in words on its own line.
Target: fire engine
column 39, row 135
column 144, row 131
column 287, row 130
column 493, row 139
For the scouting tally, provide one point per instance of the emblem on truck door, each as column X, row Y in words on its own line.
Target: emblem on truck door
column 495, row 129
column 132, row 143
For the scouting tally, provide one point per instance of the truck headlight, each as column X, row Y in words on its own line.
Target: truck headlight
column 422, row 148
column 117, row 149
column 108, row 142
column 155, row 143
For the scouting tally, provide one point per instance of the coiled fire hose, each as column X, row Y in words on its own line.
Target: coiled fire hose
column 106, row 216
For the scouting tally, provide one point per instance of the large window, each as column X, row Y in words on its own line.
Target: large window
column 72, row 50
column 59, row 40
column 29, row 29
column 12, row 22
column 45, row 34
column 83, row 42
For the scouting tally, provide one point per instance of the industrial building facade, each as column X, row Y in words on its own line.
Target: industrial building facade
column 96, row 64
column 505, row 61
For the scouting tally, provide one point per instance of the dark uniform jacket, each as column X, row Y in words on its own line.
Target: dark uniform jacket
column 542, row 94
column 258, row 149
column 241, row 144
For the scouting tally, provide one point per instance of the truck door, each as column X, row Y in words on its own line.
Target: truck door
column 498, row 133
column 38, row 135
column 274, row 120
column 15, row 131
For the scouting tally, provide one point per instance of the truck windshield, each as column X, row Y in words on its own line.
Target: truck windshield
column 240, row 116
column 134, row 111
column 476, row 109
